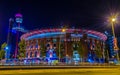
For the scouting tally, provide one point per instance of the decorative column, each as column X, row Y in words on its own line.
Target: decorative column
column 51, row 41
column 30, row 49
column 34, row 44
column 65, row 44
column 43, row 46
column 55, row 43
column 36, row 48
column 85, row 46
column 69, row 47
column 39, row 50
column 103, row 49
column 31, row 46
column 58, row 46
column 28, row 54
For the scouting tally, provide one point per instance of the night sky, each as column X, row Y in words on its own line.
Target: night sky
column 39, row 14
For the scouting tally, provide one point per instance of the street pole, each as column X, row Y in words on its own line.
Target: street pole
column 59, row 46
column 66, row 48
column 62, row 30
column 113, row 32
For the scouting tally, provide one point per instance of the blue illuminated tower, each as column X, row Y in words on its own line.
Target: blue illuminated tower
column 18, row 19
column 9, row 39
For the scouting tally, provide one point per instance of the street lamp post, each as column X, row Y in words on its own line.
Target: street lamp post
column 62, row 30
column 59, row 47
column 113, row 20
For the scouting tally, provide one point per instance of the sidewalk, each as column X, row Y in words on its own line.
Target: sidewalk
column 55, row 67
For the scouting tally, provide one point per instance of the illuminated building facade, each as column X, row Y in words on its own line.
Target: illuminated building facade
column 88, row 43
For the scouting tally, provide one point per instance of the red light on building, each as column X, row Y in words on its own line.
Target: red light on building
column 115, row 44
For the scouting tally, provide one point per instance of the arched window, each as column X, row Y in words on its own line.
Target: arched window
column 31, row 47
column 36, row 54
column 30, row 54
column 27, row 48
column 54, row 40
column 48, row 45
column 26, row 54
column 36, row 46
column 54, row 45
column 48, row 40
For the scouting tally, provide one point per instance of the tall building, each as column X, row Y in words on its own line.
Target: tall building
column 19, row 19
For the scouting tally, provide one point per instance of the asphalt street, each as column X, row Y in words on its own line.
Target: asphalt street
column 77, row 71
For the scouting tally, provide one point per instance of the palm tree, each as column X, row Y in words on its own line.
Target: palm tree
column 2, row 51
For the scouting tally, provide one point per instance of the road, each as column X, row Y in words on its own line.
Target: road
column 82, row 71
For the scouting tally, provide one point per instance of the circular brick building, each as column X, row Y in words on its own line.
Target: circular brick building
column 64, row 42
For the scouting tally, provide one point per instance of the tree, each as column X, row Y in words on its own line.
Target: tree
column 106, row 52
column 43, row 47
column 22, row 48
column 2, row 51
column 80, row 50
column 84, row 47
column 98, row 50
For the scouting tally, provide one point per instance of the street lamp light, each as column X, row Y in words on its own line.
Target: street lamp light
column 63, row 30
column 113, row 21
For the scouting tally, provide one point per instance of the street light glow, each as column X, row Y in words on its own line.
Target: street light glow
column 113, row 19
column 63, row 30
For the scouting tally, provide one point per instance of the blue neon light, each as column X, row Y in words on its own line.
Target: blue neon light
column 55, row 34
column 6, row 48
column 94, row 36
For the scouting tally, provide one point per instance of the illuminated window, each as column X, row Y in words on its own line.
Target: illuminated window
column 54, row 45
column 26, row 54
column 48, row 45
column 48, row 40
column 36, row 54
column 54, row 40
column 36, row 46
